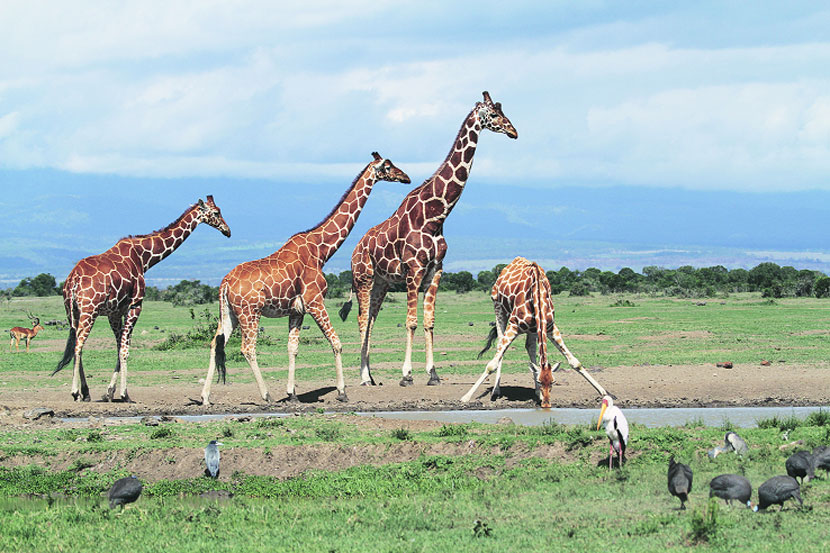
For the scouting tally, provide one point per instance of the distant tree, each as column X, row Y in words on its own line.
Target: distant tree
column 42, row 285
column 765, row 275
column 486, row 279
column 822, row 287
column 190, row 292
column 461, row 282
column 152, row 293
column 580, row 289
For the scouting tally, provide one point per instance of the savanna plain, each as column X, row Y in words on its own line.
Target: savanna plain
column 326, row 479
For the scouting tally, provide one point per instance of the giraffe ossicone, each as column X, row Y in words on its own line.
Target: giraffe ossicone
column 112, row 284
column 290, row 283
column 409, row 246
column 523, row 305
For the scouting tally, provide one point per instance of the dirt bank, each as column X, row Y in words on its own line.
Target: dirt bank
column 634, row 386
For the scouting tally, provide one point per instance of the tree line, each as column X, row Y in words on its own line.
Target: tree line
column 769, row 278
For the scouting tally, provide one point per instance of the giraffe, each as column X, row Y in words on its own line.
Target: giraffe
column 523, row 305
column 290, row 282
column 112, row 284
column 28, row 334
column 409, row 246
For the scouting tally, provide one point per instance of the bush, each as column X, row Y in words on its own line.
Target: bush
column 580, row 289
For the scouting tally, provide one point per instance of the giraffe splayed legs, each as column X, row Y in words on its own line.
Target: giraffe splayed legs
column 523, row 305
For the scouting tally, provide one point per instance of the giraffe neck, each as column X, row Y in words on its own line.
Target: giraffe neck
column 330, row 234
column 152, row 248
column 441, row 192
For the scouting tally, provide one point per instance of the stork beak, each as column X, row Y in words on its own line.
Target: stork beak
column 601, row 413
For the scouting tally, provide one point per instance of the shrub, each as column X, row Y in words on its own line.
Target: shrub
column 401, row 434
column 704, row 523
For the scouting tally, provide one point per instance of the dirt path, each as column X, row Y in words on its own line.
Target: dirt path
column 637, row 386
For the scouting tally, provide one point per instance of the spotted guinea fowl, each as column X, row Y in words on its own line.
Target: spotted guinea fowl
column 777, row 490
column 800, row 465
column 125, row 490
column 680, row 481
column 729, row 487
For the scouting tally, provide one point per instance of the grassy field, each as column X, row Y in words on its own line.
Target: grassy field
column 508, row 493
column 601, row 330
column 467, row 487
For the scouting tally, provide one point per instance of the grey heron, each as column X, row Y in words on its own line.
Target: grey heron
column 731, row 442
column 212, row 459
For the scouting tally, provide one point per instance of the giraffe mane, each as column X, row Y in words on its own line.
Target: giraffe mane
column 159, row 231
column 463, row 128
column 337, row 205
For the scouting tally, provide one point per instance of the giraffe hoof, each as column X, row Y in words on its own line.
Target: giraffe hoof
column 433, row 378
column 407, row 381
column 496, row 394
column 86, row 399
column 125, row 398
column 292, row 398
column 342, row 397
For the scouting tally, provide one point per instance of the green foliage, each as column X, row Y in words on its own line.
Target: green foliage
column 42, row 285
column 782, row 423
column 453, row 430
column 401, row 434
column 161, row 432
column 704, row 524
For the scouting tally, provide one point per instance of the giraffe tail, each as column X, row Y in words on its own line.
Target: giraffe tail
column 221, row 370
column 494, row 334
column 68, row 352
column 346, row 308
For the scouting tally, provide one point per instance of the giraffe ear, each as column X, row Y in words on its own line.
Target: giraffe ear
column 497, row 105
column 376, row 156
column 200, row 203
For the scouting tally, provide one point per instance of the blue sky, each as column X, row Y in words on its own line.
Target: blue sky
column 649, row 132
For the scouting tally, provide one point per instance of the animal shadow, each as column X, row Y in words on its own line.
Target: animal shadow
column 314, row 396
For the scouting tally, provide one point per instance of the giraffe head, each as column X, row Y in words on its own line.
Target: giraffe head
column 208, row 212
column 546, row 383
column 492, row 117
column 386, row 170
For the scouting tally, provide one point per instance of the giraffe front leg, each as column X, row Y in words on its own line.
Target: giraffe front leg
column 317, row 310
column 556, row 337
column 294, row 324
column 494, row 365
column 116, row 324
column 124, row 351
column 429, row 325
column 413, row 283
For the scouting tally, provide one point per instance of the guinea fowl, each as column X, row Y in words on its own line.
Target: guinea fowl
column 800, row 465
column 680, row 481
column 729, row 487
column 125, row 490
column 777, row 490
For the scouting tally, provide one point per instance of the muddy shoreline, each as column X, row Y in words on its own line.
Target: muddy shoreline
column 638, row 386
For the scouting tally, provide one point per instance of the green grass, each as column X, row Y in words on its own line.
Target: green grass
column 497, row 497
column 654, row 330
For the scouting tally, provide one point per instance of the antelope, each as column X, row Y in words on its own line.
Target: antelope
column 18, row 333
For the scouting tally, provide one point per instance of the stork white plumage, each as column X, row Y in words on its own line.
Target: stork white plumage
column 616, row 428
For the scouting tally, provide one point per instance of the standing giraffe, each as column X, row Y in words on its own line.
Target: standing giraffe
column 409, row 246
column 290, row 282
column 523, row 305
column 112, row 284
column 28, row 334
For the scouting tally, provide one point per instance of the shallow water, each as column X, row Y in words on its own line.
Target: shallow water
column 740, row 417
